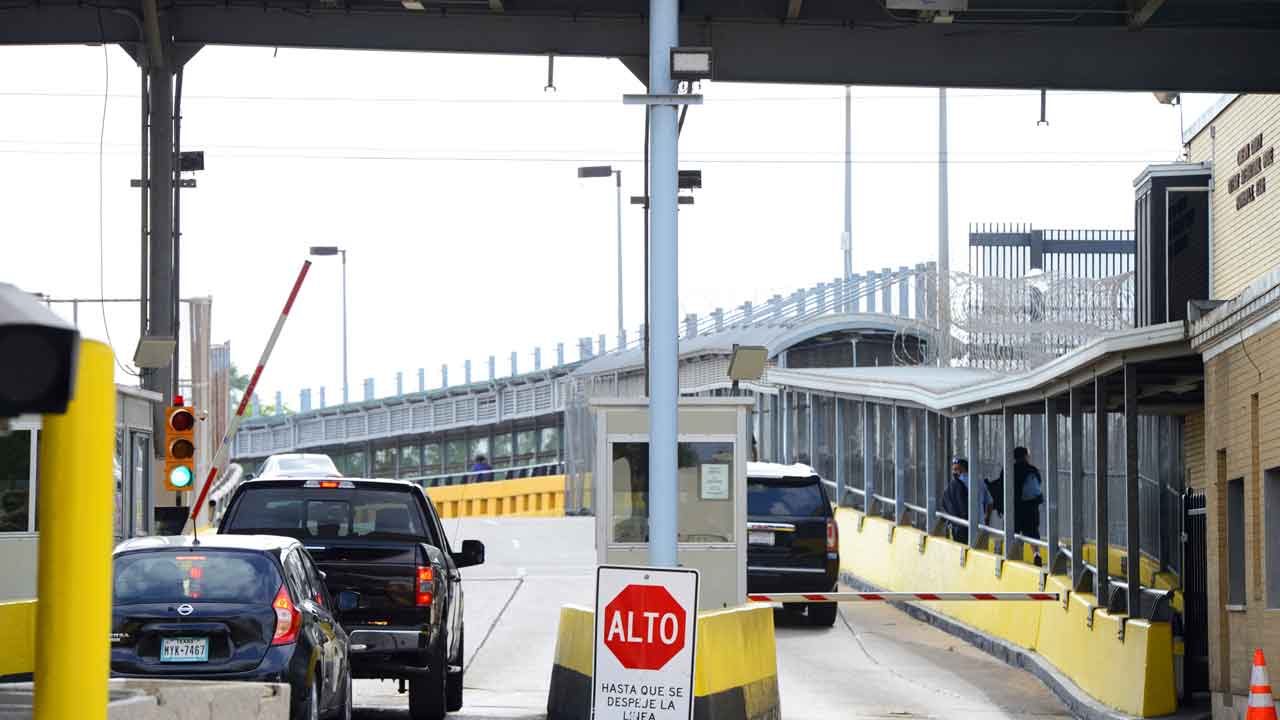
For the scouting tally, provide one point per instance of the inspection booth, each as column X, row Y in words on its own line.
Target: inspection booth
column 714, row 447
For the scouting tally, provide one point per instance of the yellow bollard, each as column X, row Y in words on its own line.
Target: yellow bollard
column 73, row 591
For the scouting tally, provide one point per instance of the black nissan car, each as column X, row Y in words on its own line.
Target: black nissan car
column 793, row 544
column 238, row 607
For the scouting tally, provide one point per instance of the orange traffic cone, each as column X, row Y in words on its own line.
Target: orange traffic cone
column 1262, row 706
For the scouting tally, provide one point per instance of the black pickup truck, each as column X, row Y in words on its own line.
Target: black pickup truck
column 385, row 559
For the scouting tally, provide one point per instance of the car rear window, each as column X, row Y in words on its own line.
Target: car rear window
column 317, row 514
column 304, row 465
column 194, row 575
column 794, row 497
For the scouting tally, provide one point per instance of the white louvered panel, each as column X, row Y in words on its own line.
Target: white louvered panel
column 378, row 421
column 443, row 411
column 261, row 442
column 464, row 410
column 333, row 428
column 421, row 416
column 509, row 402
column 398, row 419
column 487, row 408
column 355, row 426
column 281, row 438
column 524, row 400
column 310, row 432
column 542, row 398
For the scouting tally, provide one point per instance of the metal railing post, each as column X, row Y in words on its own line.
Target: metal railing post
column 1010, row 487
column 839, row 450
column 1077, row 487
column 975, row 493
column 904, row 292
column 933, row 469
column 1102, row 577
column 868, row 456
column 899, row 463
column 1133, row 546
column 886, row 290
column 1050, row 482
column 871, row 291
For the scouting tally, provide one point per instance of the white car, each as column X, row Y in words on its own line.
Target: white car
column 297, row 465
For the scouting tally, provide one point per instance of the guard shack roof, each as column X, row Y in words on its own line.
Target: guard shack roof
column 1171, row 378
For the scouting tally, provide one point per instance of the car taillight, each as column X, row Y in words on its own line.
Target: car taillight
column 426, row 586
column 833, row 536
column 288, row 619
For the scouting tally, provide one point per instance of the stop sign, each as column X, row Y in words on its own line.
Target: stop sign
column 644, row 627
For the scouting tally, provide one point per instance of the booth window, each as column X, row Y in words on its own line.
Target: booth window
column 705, row 486
column 1235, row 542
column 17, row 481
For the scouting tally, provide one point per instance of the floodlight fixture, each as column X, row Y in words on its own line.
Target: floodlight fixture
column 595, row 171
column 691, row 63
column 748, row 362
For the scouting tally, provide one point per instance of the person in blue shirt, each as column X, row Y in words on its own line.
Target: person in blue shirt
column 481, row 468
column 955, row 499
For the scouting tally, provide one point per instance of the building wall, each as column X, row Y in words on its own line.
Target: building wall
column 1241, row 440
column 1244, row 242
column 1193, row 451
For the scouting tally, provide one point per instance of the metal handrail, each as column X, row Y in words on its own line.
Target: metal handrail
column 915, row 508
column 493, row 471
column 1031, row 541
column 952, row 518
column 883, row 499
column 993, row 530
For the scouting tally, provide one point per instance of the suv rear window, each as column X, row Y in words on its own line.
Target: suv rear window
column 317, row 514
column 194, row 575
column 792, row 497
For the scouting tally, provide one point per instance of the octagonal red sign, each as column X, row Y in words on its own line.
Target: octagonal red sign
column 644, row 627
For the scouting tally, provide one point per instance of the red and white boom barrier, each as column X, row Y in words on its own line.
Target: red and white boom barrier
column 902, row 596
column 224, row 448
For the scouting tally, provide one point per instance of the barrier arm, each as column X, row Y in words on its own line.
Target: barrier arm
column 903, row 597
column 224, row 448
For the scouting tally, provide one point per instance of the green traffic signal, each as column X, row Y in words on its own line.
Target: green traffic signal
column 180, row 476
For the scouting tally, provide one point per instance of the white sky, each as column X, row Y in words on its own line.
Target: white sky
column 451, row 181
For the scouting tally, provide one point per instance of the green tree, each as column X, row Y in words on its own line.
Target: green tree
column 239, row 383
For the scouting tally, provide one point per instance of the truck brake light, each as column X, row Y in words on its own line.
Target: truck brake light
column 288, row 619
column 425, row 587
column 833, row 536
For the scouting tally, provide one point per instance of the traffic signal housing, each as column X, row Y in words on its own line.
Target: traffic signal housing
column 179, row 447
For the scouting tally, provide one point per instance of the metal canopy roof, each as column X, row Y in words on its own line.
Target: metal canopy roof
column 1186, row 45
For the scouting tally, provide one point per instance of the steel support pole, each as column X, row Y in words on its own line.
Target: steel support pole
column 346, row 388
column 1076, row 493
column 868, row 456
column 932, row 469
column 1133, row 539
column 622, row 332
column 1102, row 578
column 900, row 423
column 664, row 34
column 1010, row 487
column 1050, row 481
column 846, row 240
column 160, row 308
column 839, row 450
column 975, row 491
column 73, row 585
column 944, row 247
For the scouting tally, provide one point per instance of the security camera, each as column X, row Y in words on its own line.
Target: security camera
column 38, row 353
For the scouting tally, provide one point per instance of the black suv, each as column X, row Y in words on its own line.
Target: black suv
column 793, row 544
column 386, row 559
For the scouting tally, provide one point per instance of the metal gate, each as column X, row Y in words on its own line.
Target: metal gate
column 1195, row 593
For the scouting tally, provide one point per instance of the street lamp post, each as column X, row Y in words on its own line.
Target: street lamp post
column 606, row 171
column 329, row 250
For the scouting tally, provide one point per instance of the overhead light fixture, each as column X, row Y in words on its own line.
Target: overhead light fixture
column 412, row 4
column 691, row 63
column 154, row 352
column 1168, row 98
column 928, row 5
column 595, row 171
column 747, row 362
column 689, row 180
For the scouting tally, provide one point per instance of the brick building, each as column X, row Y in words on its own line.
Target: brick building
column 1237, row 438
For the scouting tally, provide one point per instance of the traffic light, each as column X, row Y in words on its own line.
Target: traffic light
column 179, row 447
column 38, row 354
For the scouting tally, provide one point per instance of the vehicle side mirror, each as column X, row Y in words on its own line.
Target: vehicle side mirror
column 348, row 600
column 323, row 575
column 472, row 553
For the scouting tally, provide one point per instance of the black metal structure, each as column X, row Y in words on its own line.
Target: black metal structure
column 1012, row 251
column 1187, row 45
column 1171, row 214
column 1195, row 593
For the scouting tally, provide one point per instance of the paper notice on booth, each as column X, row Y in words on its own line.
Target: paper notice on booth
column 715, row 482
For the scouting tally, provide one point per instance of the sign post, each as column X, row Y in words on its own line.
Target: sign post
column 645, row 642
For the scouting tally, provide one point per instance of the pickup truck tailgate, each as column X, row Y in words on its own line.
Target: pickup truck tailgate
column 383, row 575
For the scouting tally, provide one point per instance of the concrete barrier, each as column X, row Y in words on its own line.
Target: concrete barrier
column 17, row 638
column 735, row 669
column 136, row 699
column 522, row 497
column 1130, row 672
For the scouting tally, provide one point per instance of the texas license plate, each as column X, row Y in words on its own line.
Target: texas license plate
column 184, row 649
column 759, row 537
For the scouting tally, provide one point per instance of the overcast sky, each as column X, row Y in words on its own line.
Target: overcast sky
column 451, row 181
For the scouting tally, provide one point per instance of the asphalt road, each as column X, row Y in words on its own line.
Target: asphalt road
column 875, row 663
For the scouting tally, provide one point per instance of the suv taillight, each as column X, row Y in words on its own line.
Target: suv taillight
column 288, row 619
column 426, row 586
column 833, row 536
